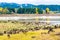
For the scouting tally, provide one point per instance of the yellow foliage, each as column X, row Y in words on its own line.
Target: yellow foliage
column 47, row 9
column 36, row 10
column 1, row 9
column 5, row 10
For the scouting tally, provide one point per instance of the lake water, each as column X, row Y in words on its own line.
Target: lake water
column 51, row 19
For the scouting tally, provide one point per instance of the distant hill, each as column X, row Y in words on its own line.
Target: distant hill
column 43, row 7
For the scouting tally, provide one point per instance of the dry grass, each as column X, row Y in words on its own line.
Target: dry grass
column 30, row 35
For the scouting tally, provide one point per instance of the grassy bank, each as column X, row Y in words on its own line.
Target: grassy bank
column 30, row 31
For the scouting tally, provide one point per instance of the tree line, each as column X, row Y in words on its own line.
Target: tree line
column 22, row 10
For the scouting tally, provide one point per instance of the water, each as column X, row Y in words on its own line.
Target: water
column 51, row 19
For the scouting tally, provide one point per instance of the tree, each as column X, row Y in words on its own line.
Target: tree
column 19, row 10
column 16, row 9
column 11, row 10
column 36, row 10
column 40, row 11
column 5, row 11
column 1, row 9
column 47, row 10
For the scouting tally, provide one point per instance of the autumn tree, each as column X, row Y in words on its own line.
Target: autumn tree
column 1, row 10
column 36, row 10
column 47, row 10
column 5, row 11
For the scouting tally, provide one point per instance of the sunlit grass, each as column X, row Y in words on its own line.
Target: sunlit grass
column 30, row 35
column 21, row 36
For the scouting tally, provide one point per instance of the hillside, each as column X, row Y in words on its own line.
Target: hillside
column 43, row 7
